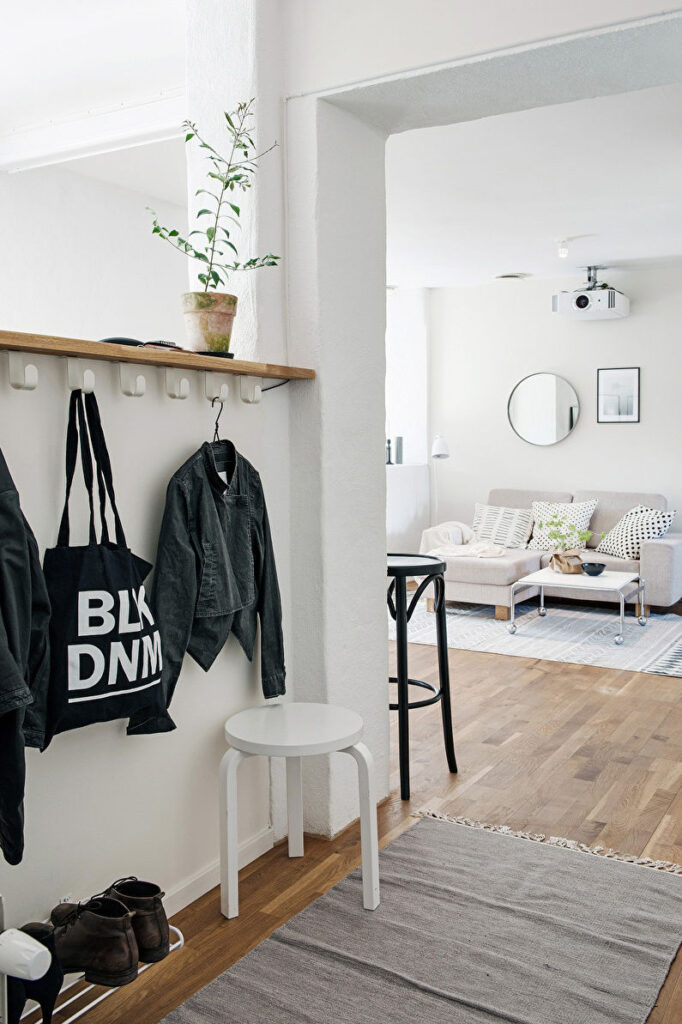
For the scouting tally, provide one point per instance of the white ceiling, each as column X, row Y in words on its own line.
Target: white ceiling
column 157, row 170
column 469, row 201
column 62, row 59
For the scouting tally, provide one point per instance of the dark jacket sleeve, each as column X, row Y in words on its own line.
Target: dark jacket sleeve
column 16, row 571
column 35, row 721
column 14, row 693
column 269, row 608
column 173, row 600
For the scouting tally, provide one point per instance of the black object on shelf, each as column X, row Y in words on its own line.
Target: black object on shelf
column 122, row 341
column 219, row 355
column 431, row 570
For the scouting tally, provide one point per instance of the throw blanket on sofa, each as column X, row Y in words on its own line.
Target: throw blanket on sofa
column 457, row 540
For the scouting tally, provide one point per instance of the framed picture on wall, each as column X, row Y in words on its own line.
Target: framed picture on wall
column 618, row 394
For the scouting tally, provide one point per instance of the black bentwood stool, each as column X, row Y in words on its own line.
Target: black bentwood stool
column 399, row 567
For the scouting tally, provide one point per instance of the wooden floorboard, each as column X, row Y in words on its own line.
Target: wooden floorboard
column 593, row 754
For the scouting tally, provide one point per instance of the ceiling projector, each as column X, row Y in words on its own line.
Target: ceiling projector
column 592, row 302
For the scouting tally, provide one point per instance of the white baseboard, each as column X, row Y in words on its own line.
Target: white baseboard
column 203, row 881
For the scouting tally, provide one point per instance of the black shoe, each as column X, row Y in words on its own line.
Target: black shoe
column 43, row 991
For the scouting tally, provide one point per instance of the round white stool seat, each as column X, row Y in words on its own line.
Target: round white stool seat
column 293, row 730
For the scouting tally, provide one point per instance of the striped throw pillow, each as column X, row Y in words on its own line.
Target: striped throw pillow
column 510, row 527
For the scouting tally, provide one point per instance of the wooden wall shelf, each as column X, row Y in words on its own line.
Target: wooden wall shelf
column 182, row 359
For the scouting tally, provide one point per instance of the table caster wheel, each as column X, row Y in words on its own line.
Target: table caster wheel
column 619, row 640
column 542, row 612
column 512, row 628
column 642, row 620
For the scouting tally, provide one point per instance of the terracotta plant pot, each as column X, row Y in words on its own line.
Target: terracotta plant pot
column 208, row 320
column 567, row 561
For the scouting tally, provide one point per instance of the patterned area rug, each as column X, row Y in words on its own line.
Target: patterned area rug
column 568, row 633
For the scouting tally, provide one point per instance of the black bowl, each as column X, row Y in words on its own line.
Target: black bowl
column 593, row 568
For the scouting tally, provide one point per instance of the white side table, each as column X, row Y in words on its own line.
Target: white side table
column 294, row 731
column 613, row 582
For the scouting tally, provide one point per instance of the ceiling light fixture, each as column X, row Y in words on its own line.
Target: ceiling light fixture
column 562, row 250
column 514, row 276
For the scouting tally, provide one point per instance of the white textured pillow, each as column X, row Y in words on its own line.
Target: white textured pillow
column 577, row 512
column 636, row 526
column 509, row 527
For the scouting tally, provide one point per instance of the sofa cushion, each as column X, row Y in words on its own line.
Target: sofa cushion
column 612, row 506
column 500, row 524
column 502, row 571
column 574, row 514
column 523, row 499
column 612, row 563
column 636, row 527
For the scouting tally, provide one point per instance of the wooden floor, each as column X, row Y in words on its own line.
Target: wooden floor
column 588, row 753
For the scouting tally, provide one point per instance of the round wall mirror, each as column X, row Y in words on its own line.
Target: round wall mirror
column 543, row 408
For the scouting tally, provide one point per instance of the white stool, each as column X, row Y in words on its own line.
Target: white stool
column 294, row 731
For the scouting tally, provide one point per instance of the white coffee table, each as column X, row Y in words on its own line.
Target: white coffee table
column 616, row 582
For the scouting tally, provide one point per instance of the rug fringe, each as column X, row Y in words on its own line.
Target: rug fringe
column 540, row 837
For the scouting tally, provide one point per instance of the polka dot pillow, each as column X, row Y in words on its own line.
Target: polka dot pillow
column 578, row 513
column 636, row 526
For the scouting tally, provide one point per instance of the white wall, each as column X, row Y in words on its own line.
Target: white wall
column 79, row 259
column 484, row 339
column 408, row 506
column 407, row 486
column 99, row 804
column 406, row 371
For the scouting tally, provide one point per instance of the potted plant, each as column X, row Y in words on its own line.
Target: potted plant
column 209, row 314
column 568, row 541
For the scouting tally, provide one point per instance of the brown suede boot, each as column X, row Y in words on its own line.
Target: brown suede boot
column 97, row 938
column 150, row 923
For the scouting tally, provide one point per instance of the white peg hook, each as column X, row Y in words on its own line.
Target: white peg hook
column 23, row 374
column 216, row 387
column 133, row 382
column 177, row 385
column 250, row 389
column 79, row 376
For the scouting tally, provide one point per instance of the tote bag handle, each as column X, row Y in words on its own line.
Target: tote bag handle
column 105, row 477
column 76, row 426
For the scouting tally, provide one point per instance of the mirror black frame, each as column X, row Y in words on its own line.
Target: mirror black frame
column 542, row 373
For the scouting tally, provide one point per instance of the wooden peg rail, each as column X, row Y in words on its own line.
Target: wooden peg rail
column 182, row 359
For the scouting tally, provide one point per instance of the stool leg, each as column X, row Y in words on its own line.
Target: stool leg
column 229, row 857
column 444, row 675
column 403, row 689
column 295, row 805
column 369, row 835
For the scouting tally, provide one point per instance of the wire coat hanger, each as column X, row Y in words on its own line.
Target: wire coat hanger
column 216, row 434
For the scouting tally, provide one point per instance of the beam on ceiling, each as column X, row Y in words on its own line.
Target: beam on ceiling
column 97, row 132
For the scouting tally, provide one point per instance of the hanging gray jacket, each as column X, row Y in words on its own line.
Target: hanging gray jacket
column 24, row 660
column 215, row 573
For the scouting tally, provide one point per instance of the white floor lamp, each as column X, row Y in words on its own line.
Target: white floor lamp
column 439, row 450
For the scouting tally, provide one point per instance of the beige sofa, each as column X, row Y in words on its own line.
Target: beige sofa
column 489, row 580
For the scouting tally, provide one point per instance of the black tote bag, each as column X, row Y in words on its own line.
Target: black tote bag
column 106, row 650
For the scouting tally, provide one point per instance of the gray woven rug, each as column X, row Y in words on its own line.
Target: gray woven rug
column 473, row 927
column 568, row 633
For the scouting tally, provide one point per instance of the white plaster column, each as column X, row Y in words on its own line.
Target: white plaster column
column 337, row 311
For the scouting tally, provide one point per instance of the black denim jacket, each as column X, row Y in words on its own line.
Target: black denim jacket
column 24, row 660
column 215, row 572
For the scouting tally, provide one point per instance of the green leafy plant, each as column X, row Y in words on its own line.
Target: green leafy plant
column 227, row 175
column 565, row 535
